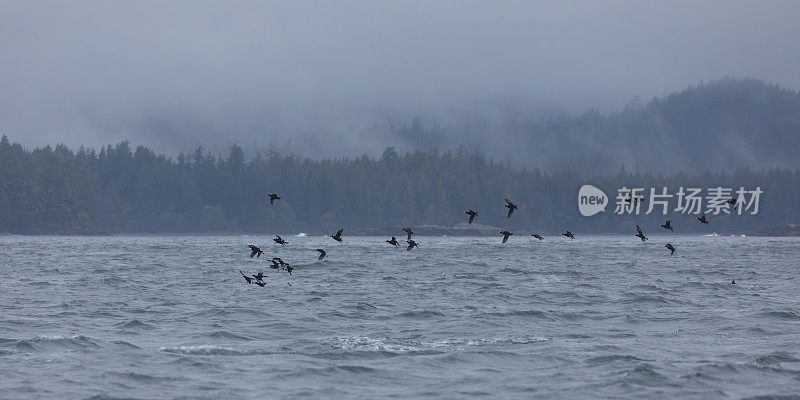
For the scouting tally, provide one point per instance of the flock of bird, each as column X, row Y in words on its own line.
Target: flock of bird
column 277, row 263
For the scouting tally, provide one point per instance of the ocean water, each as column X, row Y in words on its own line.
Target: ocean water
column 459, row 317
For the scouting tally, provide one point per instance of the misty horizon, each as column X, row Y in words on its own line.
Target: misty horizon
column 321, row 81
column 717, row 126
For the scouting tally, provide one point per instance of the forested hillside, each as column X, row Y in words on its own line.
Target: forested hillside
column 720, row 125
column 125, row 190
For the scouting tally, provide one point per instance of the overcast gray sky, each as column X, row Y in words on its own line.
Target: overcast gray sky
column 177, row 74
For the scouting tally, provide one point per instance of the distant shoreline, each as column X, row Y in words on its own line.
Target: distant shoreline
column 462, row 230
column 459, row 230
column 398, row 235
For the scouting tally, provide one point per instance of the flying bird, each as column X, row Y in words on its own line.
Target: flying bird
column 279, row 240
column 702, row 219
column 536, row 235
column 278, row 261
column 569, row 234
column 246, row 278
column 639, row 233
column 733, row 202
column 255, row 251
column 259, row 276
column 667, row 225
column 511, row 207
column 274, row 264
column 471, row 214
column 411, row 244
column 392, row 242
column 273, row 197
column 322, row 253
column 338, row 236
column 671, row 248
column 505, row 234
column 409, row 232
column 288, row 268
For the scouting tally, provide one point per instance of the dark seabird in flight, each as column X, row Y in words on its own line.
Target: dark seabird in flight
column 273, row 197
column 246, row 278
column 274, row 264
column 255, row 251
column 409, row 232
column 471, row 214
column 288, row 268
column 536, row 235
column 639, row 233
column 392, row 242
column 569, row 234
column 280, row 262
column 279, row 240
column 733, row 282
column 511, row 207
column 411, row 244
column 505, row 234
column 671, row 248
column 733, row 202
column 702, row 219
column 277, row 263
column 259, row 276
column 338, row 236
column 667, row 225
column 321, row 253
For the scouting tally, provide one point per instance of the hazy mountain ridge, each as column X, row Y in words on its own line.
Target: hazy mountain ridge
column 721, row 125
column 731, row 132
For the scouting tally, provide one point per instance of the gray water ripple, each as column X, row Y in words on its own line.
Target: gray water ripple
column 598, row 317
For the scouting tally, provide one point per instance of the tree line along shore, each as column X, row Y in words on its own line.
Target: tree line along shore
column 120, row 189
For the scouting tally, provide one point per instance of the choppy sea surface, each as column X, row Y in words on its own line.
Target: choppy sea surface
column 459, row 317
